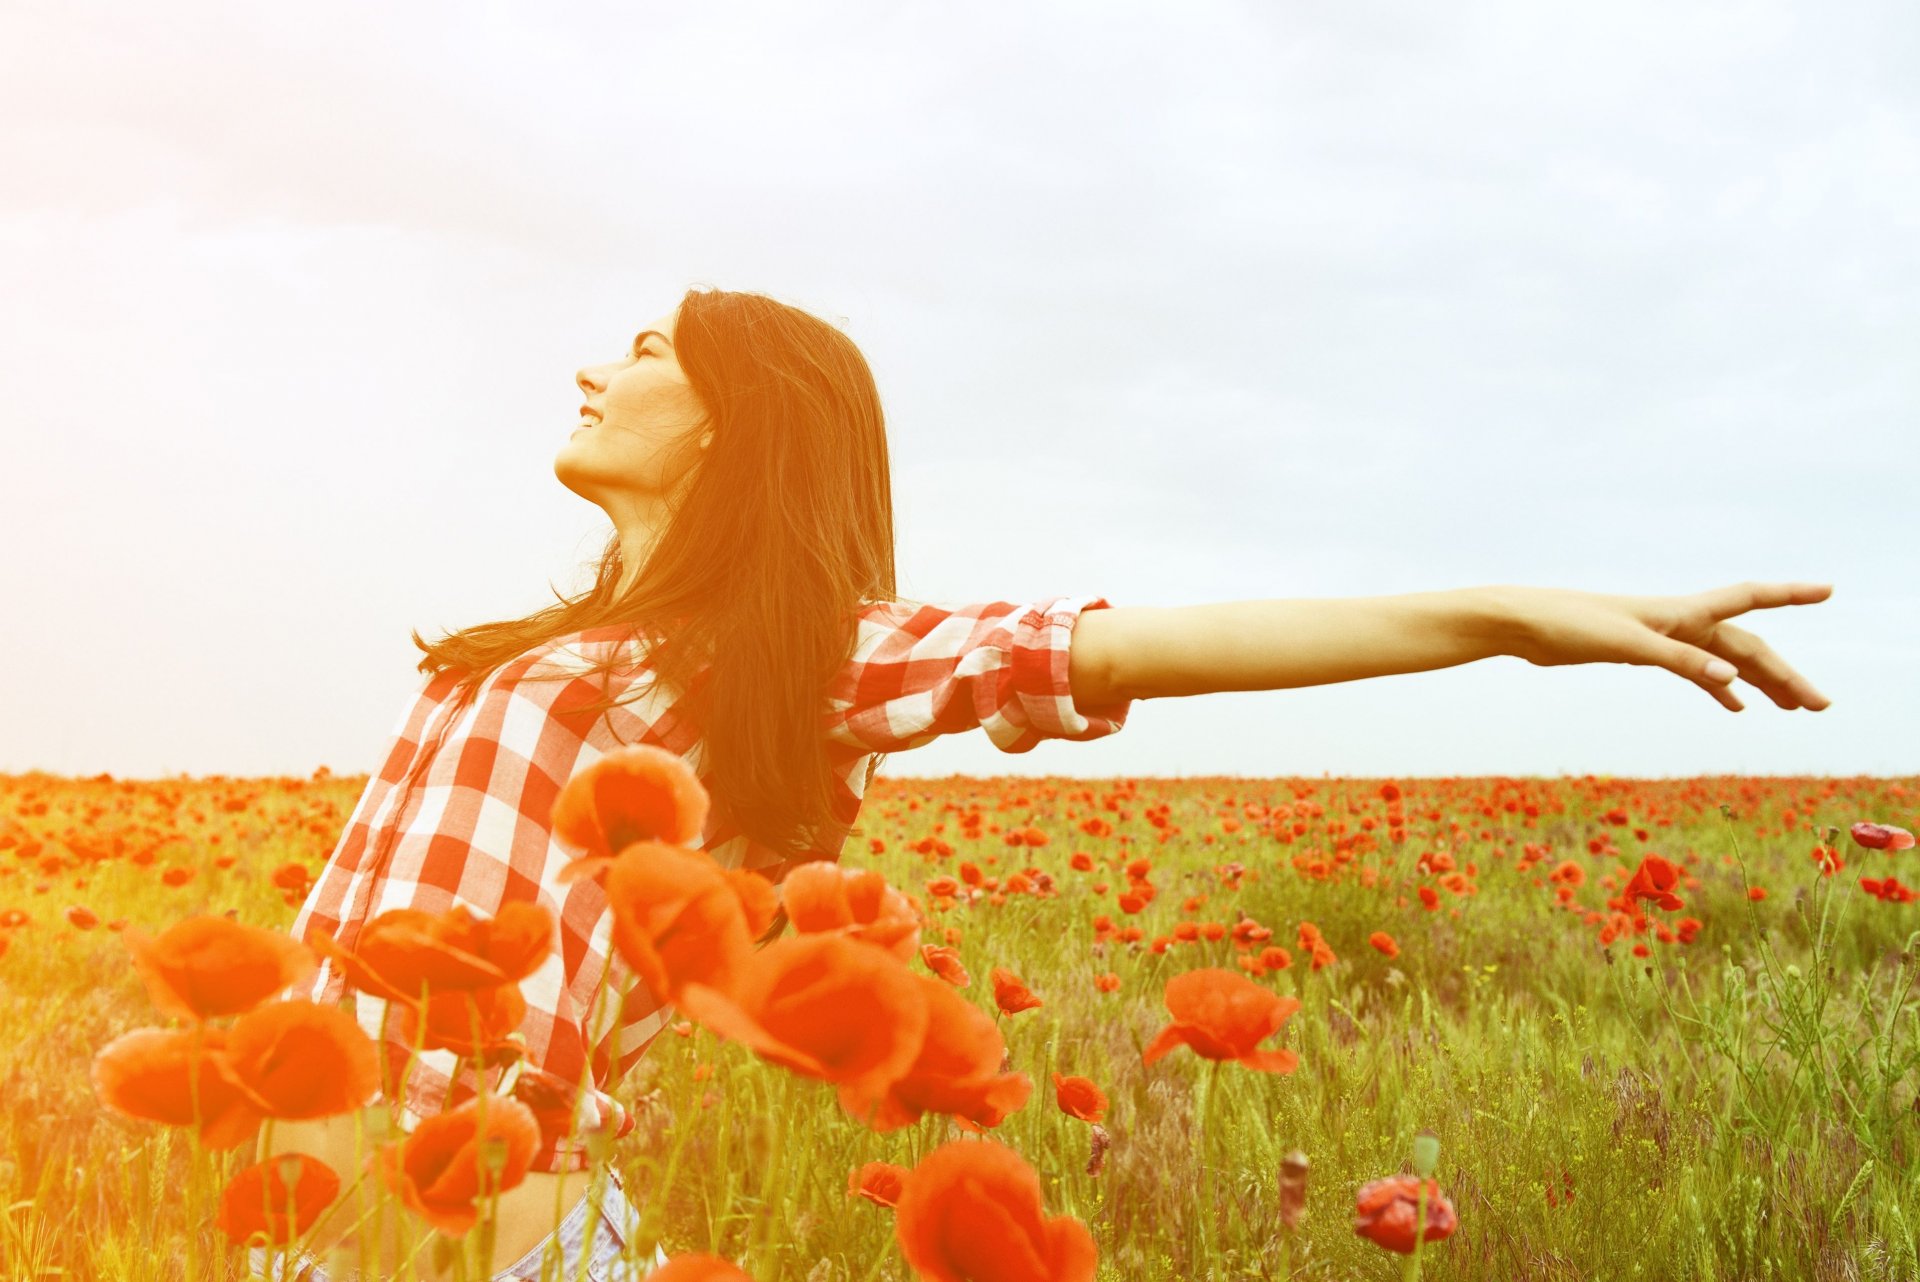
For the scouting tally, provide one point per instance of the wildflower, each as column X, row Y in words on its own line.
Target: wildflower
column 698, row 1266
column 406, row 951
column 1384, row 1211
column 145, row 1074
column 1881, row 837
column 945, row 962
column 879, row 1182
column 960, row 1069
column 1654, row 880
column 291, row 876
column 827, row 1007
column 451, row 1164
column 1381, row 940
column 1222, row 1015
column 634, row 793
column 207, row 966
column 297, row 1058
column 298, row 1181
column 679, row 918
column 1274, row 957
column 972, row 1212
column 1079, row 1097
column 1010, row 994
column 451, row 1017
column 822, row 896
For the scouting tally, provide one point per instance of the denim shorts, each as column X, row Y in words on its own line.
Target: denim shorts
column 606, row 1251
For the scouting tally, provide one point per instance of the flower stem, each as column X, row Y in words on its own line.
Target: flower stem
column 1205, row 1150
column 1419, row 1231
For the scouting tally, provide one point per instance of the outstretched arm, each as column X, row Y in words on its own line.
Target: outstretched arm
column 1156, row 652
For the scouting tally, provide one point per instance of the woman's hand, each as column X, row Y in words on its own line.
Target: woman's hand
column 1687, row 635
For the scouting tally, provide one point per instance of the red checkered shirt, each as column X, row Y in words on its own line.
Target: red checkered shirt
column 460, row 813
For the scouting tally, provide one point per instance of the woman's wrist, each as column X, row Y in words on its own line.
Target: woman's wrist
column 1494, row 617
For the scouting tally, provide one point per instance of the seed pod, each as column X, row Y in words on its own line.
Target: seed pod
column 1101, row 1141
column 1293, row 1188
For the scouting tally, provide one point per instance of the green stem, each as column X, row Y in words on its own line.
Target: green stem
column 1412, row 1273
column 1205, row 1151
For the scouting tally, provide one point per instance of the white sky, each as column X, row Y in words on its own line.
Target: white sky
column 1167, row 303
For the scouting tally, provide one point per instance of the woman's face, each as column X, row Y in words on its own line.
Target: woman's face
column 641, row 431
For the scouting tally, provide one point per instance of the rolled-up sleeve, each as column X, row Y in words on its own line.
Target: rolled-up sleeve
column 921, row 671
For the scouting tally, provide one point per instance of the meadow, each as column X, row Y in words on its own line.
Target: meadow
column 1659, row 1028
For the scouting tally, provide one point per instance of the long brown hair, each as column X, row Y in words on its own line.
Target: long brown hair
column 786, row 529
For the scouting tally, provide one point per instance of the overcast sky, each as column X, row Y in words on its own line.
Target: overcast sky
column 1167, row 303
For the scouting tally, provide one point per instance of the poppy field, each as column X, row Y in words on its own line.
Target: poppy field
column 1027, row 1028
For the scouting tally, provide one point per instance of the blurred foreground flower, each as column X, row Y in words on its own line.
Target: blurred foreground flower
column 972, row 1212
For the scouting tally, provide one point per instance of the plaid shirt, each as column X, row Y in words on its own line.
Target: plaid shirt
column 460, row 813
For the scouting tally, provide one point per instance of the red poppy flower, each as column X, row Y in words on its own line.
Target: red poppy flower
column 207, row 966
column 879, row 1182
column 1655, row 879
column 1079, row 1097
column 821, row 896
column 1222, row 1015
column 1274, row 957
column 291, row 876
column 297, row 1058
column 635, row 793
column 451, row 1018
column 827, row 1007
column 945, row 962
column 698, row 1267
column 1381, row 940
column 957, row 1068
column 1384, row 1213
column 442, row 1170
column 679, row 918
column 1010, row 994
column 1881, row 837
column 297, row 1180
column 972, row 1212
column 406, row 951
column 148, row 1074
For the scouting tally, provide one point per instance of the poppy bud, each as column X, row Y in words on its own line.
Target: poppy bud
column 1293, row 1188
column 1098, row 1157
column 1426, row 1153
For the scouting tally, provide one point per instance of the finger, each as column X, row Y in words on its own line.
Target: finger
column 1760, row 667
column 1693, row 663
column 1724, row 603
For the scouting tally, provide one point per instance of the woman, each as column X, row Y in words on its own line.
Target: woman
column 739, row 450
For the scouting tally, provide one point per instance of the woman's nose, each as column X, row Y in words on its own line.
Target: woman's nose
column 584, row 382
